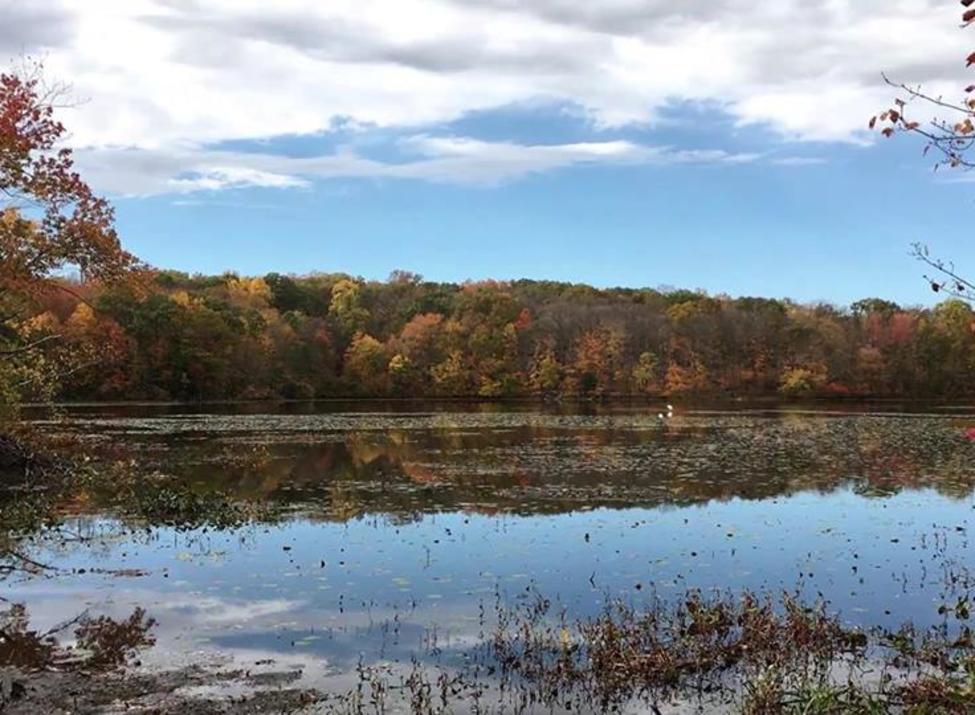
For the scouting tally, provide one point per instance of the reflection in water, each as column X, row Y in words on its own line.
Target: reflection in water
column 396, row 534
column 102, row 642
column 343, row 465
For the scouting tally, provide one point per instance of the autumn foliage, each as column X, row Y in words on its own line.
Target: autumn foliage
column 51, row 218
column 330, row 335
column 50, row 222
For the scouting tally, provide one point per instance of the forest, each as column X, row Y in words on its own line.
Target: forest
column 171, row 336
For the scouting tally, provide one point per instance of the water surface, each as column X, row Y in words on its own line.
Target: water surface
column 397, row 529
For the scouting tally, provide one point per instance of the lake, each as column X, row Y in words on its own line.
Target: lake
column 392, row 532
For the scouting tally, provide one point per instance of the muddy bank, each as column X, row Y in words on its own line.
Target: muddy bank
column 82, row 693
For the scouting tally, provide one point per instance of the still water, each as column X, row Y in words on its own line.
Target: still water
column 396, row 529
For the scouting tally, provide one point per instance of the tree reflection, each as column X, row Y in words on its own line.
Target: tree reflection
column 102, row 642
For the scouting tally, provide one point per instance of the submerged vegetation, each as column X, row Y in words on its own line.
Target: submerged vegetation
column 759, row 655
column 745, row 653
column 340, row 466
column 39, row 490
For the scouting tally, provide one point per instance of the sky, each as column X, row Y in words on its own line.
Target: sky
column 719, row 145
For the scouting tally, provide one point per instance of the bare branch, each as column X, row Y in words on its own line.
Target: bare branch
column 918, row 94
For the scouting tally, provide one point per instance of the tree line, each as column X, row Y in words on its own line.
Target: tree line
column 193, row 337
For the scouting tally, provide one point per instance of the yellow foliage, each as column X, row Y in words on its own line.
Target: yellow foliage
column 44, row 323
column 645, row 372
column 451, row 376
column 345, row 304
column 250, row 292
column 799, row 381
column 680, row 379
column 181, row 297
column 399, row 364
column 82, row 319
column 365, row 362
column 547, row 372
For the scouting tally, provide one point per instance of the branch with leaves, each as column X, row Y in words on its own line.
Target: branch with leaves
column 951, row 136
column 946, row 279
column 51, row 221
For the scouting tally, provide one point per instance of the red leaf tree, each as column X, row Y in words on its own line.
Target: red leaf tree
column 50, row 219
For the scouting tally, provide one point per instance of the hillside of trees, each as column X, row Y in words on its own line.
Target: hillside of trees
column 175, row 336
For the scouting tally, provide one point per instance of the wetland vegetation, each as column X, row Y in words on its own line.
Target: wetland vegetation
column 493, row 558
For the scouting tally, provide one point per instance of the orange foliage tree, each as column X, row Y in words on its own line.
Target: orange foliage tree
column 50, row 220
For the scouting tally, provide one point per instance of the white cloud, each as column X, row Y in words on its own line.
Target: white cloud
column 461, row 160
column 797, row 161
column 165, row 77
column 232, row 177
column 210, row 610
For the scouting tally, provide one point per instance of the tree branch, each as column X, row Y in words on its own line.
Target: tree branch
column 918, row 94
column 30, row 346
column 73, row 293
column 962, row 287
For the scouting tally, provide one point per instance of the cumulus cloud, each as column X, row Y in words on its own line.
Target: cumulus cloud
column 165, row 77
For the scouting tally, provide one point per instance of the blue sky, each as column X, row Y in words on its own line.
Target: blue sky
column 716, row 145
column 836, row 224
